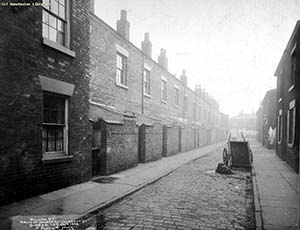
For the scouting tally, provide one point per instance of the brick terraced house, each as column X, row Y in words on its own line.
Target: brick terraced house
column 78, row 99
column 126, row 81
column 45, row 133
column 288, row 95
column 266, row 120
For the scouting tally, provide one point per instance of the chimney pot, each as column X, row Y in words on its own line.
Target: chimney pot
column 123, row 15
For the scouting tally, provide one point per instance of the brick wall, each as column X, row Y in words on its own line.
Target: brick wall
column 187, row 138
column 23, row 58
column 171, row 140
column 150, row 142
column 121, row 146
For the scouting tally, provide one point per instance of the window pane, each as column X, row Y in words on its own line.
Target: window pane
column 52, row 21
column 119, row 62
column 118, row 76
column 54, row 7
column 60, row 25
column 45, row 31
column 60, row 38
column 62, row 11
column 52, row 34
column 45, row 17
column 53, row 138
column 123, row 78
column 46, row 4
column 62, row 2
column 54, row 109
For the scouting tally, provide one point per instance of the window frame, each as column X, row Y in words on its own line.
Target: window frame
column 293, row 67
column 147, row 82
column 279, row 125
column 176, row 96
column 66, row 22
column 163, row 90
column 195, row 111
column 123, row 70
column 65, row 150
column 292, row 110
column 185, row 104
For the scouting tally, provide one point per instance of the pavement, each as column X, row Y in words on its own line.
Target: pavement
column 275, row 190
column 78, row 200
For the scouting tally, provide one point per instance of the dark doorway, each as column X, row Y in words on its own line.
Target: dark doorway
column 179, row 139
column 98, row 156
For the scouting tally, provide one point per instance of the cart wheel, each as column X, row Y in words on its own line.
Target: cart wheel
column 225, row 156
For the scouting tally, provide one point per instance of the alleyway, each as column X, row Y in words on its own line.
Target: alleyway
column 192, row 197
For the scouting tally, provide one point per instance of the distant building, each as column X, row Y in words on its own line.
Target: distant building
column 266, row 120
column 259, row 124
column 288, row 95
column 243, row 121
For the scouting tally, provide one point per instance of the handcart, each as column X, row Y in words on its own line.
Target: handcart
column 238, row 153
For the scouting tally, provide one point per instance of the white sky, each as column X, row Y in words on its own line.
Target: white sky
column 230, row 47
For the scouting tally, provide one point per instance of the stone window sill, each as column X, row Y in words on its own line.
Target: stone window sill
column 163, row 101
column 121, row 85
column 291, row 88
column 58, row 47
column 60, row 157
column 147, row 95
column 290, row 145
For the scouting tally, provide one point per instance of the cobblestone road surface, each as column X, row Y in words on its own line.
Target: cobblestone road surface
column 192, row 197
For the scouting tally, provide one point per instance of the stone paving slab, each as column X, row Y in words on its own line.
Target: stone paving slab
column 275, row 190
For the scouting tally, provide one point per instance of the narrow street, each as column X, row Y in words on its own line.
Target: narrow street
column 192, row 197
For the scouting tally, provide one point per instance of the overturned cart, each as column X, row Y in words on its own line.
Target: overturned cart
column 238, row 154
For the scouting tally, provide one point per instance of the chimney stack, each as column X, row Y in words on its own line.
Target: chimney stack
column 92, row 6
column 147, row 45
column 162, row 59
column 198, row 90
column 183, row 78
column 123, row 25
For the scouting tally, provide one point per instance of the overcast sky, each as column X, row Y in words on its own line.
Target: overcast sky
column 230, row 47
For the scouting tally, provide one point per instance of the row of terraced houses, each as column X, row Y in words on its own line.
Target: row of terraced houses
column 78, row 100
column 280, row 108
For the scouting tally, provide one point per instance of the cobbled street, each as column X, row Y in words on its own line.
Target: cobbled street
column 192, row 197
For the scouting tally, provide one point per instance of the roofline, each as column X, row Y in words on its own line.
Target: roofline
column 277, row 71
column 93, row 15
